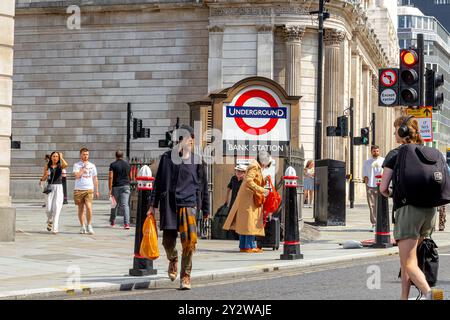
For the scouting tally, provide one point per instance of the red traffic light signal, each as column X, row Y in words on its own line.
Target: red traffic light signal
column 411, row 66
column 409, row 57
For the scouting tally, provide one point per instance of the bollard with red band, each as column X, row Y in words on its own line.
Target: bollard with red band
column 141, row 265
column 382, row 231
column 291, row 247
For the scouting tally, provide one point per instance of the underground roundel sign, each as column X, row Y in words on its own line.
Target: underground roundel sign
column 256, row 113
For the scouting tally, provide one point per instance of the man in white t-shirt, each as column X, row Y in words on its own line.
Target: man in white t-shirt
column 372, row 167
column 86, row 180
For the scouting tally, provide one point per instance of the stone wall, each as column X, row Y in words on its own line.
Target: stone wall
column 7, row 214
column 71, row 87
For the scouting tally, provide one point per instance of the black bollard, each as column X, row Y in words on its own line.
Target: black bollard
column 291, row 247
column 382, row 231
column 64, row 184
column 141, row 265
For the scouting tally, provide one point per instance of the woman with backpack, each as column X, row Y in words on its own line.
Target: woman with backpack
column 54, row 191
column 412, row 223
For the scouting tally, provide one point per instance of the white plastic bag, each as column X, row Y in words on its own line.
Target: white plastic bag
column 113, row 202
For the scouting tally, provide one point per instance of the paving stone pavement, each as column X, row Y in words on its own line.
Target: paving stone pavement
column 39, row 263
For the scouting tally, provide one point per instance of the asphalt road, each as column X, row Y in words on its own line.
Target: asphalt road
column 363, row 280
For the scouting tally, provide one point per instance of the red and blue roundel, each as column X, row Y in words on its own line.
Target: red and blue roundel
column 255, row 111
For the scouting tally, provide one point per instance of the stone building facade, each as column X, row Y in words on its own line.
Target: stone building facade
column 72, row 86
column 7, row 213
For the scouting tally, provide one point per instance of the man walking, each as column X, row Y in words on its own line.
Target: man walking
column 372, row 167
column 181, row 188
column 86, row 179
column 119, row 188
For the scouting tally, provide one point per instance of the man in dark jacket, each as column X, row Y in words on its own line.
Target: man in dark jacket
column 181, row 188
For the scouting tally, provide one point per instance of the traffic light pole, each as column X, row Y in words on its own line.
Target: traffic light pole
column 352, row 150
column 128, row 130
column 318, row 129
column 420, row 47
column 373, row 128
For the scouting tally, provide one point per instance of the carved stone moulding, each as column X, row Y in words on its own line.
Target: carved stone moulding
column 293, row 33
column 265, row 28
column 333, row 37
column 216, row 28
column 259, row 11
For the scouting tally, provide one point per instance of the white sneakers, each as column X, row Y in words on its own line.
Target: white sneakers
column 433, row 294
column 89, row 230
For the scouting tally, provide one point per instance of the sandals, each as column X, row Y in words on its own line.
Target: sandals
column 49, row 226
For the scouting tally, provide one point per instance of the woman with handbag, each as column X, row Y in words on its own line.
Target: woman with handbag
column 54, row 190
column 246, row 214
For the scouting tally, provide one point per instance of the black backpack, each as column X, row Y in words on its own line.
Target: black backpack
column 421, row 177
column 428, row 260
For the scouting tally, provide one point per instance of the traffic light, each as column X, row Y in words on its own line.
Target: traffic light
column 411, row 66
column 146, row 132
column 167, row 142
column 341, row 130
column 342, row 124
column 137, row 128
column 432, row 82
column 365, row 136
column 388, row 87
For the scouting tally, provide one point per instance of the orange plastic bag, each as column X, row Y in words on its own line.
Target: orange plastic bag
column 149, row 244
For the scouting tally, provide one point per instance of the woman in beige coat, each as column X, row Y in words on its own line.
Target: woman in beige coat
column 244, row 216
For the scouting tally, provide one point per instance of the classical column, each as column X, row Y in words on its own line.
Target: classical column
column 7, row 213
column 265, row 51
column 215, row 78
column 293, row 35
column 332, row 88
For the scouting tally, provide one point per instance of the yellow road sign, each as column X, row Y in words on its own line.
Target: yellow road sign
column 421, row 112
column 424, row 117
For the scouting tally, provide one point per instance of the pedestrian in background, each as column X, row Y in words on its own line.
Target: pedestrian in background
column 235, row 184
column 371, row 168
column 245, row 216
column 86, row 182
column 181, row 188
column 46, row 160
column 53, row 175
column 232, row 190
column 412, row 224
column 308, row 183
column 442, row 218
column 119, row 188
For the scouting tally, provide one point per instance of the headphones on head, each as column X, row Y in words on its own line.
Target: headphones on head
column 403, row 130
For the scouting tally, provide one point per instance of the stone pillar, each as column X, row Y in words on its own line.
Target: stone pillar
column 7, row 213
column 215, row 79
column 265, row 51
column 293, row 35
column 332, row 88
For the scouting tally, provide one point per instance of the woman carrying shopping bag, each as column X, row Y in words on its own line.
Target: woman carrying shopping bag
column 246, row 214
column 54, row 190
